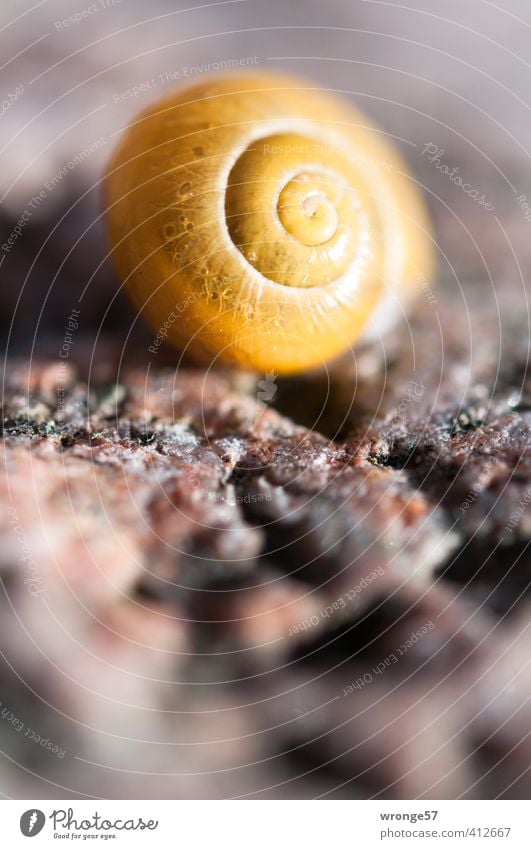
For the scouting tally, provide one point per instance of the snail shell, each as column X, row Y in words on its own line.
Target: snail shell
column 262, row 222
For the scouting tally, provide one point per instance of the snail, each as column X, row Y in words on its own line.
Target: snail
column 259, row 221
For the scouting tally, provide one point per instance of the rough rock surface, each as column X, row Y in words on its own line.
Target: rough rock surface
column 196, row 586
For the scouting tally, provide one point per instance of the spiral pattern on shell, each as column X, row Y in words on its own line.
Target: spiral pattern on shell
column 263, row 222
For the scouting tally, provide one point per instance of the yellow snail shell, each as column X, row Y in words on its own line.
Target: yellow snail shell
column 264, row 223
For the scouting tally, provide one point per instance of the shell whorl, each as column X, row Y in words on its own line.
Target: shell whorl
column 292, row 211
column 262, row 206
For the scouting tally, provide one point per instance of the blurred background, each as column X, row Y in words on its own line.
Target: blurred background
column 100, row 678
column 455, row 77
